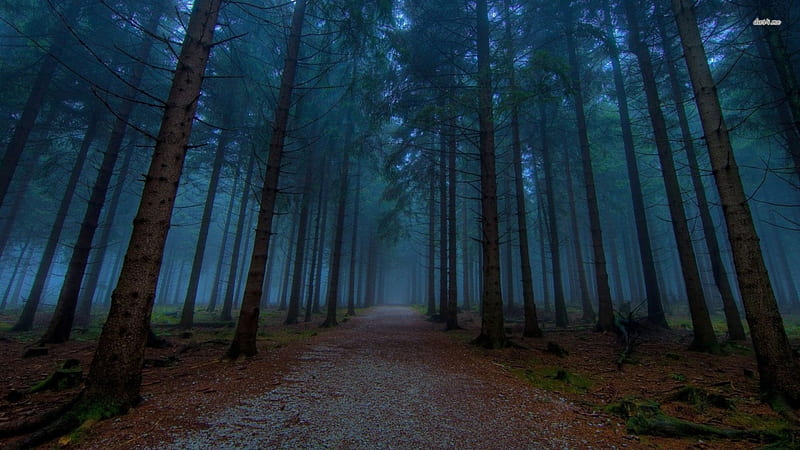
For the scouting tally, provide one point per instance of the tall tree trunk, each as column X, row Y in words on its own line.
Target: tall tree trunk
column 114, row 379
column 777, row 366
column 492, row 329
column 96, row 263
column 25, row 321
column 509, row 293
column 586, row 301
column 314, row 276
column 287, row 264
column 351, row 291
column 558, row 287
column 244, row 341
column 466, row 262
column 336, row 255
column 299, row 257
column 431, row 247
column 734, row 322
column 322, row 232
column 704, row 337
column 230, row 285
column 369, row 296
column 217, row 284
column 187, row 314
column 542, row 238
column 655, row 309
column 452, row 275
column 442, row 177
column 605, row 310
column 14, row 273
column 61, row 323
column 23, row 181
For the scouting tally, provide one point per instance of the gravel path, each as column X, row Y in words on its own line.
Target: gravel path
column 393, row 380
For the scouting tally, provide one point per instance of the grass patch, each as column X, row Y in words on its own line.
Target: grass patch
column 556, row 379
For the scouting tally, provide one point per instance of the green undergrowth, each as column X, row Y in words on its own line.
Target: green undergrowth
column 555, row 379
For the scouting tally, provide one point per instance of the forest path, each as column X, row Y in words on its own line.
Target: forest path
column 393, row 380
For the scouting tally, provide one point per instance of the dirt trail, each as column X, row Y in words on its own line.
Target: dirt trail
column 393, row 380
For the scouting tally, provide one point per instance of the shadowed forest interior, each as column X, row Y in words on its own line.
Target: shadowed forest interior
column 596, row 167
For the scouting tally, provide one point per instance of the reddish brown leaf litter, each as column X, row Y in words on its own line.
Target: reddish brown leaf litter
column 389, row 379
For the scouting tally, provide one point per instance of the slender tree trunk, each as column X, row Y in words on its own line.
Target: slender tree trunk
column 299, row 256
column 542, row 238
column 287, row 264
column 351, row 291
column 61, row 323
column 558, row 287
column 442, row 177
column 336, row 255
column 509, row 295
column 187, row 314
column 25, row 321
column 314, row 278
column 230, row 285
column 466, row 262
column 586, row 301
column 322, row 232
column 12, row 211
column 114, row 379
column 96, row 263
column 492, row 329
column 217, row 284
column 777, row 366
column 655, row 309
column 605, row 309
column 244, row 341
column 431, row 247
column 369, row 297
column 734, row 322
column 13, row 278
column 452, row 275
column 704, row 337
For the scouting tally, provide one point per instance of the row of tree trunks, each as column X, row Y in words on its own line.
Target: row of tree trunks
column 734, row 322
column 655, row 310
column 61, row 323
column 244, row 341
column 777, row 366
column 704, row 337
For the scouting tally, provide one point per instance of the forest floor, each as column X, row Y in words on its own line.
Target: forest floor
column 387, row 378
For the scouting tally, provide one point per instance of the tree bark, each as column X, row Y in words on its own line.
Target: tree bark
column 244, row 341
column 187, row 314
column 351, row 282
column 25, row 321
column 230, row 285
column 586, row 301
column 96, row 263
column 61, row 324
column 492, row 333
column 299, row 257
column 777, row 366
column 336, row 255
column 655, row 309
column 558, row 287
column 605, row 309
column 451, row 319
column 734, row 322
column 115, row 375
column 216, row 286
column 431, row 247
column 704, row 337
